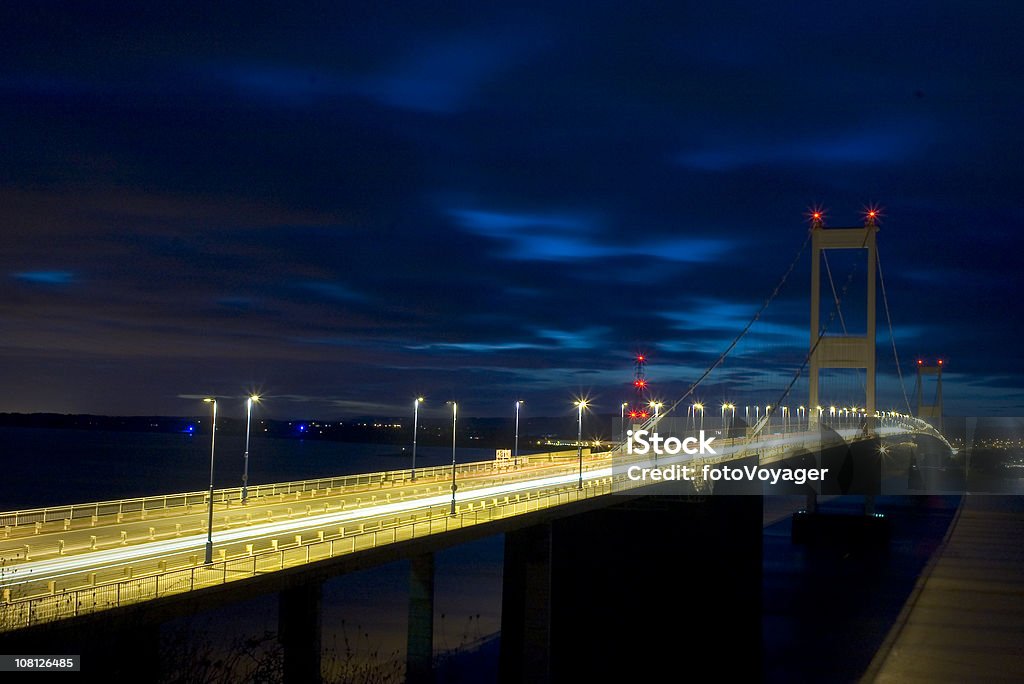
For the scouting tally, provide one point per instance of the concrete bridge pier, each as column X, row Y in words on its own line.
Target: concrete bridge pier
column 299, row 620
column 526, row 606
column 635, row 590
column 419, row 667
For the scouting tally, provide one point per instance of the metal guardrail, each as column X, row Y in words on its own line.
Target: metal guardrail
column 164, row 501
column 19, row 613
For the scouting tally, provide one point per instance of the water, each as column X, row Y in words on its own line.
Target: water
column 44, row 467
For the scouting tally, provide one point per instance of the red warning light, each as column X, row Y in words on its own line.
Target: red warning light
column 816, row 216
column 643, row 414
column 634, row 414
column 640, row 384
column 940, row 362
column 920, row 362
column 640, row 357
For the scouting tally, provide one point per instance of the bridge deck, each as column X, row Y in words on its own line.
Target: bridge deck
column 965, row 619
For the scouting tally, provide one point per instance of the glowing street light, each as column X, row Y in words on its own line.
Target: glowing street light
column 581, row 404
column 455, row 413
column 727, row 406
column 415, row 425
column 518, row 404
column 656, row 405
column 209, row 522
column 622, row 420
column 699, row 407
column 253, row 399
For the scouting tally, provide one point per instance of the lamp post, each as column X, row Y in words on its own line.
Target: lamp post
column 656, row 405
column 455, row 413
column 728, row 407
column 515, row 453
column 622, row 420
column 209, row 522
column 415, row 424
column 253, row 398
column 699, row 407
column 581, row 404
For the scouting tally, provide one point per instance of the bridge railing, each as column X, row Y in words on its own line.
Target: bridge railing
column 234, row 494
column 18, row 613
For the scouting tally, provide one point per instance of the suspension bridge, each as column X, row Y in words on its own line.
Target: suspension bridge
column 72, row 572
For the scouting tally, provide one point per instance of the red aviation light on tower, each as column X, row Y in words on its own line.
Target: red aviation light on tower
column 940, row 362
column 816, row 214
column 640, row 383
column 920, row 362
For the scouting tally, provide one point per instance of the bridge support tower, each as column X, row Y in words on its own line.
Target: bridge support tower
column 930, row 412
column 842, row 351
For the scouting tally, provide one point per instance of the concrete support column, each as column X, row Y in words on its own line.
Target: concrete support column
column 299, row 620
column 526, row 607
column 419, row 667
column 643, row 588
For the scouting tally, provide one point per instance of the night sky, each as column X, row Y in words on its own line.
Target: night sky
column 347, row 206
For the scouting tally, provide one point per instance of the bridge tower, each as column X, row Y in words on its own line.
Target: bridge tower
column 931, row 412
column 842, row 351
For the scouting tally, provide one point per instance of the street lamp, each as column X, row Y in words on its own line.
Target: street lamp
column 253, row 398
column 415, row 424
column 656, row 405
column 455, row 413
column 622, row 420
column 519, row 403
column 581, row 404
column 209, row 522
column 699, row 407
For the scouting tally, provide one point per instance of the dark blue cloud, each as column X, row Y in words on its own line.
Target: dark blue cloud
column 364, row 202
column 45, row 277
